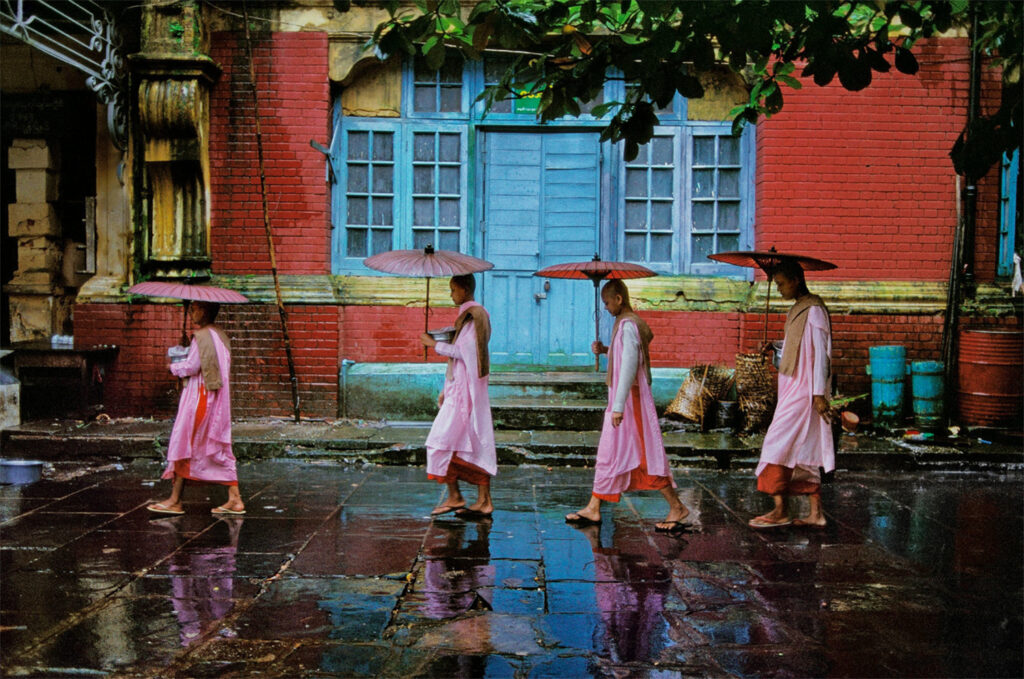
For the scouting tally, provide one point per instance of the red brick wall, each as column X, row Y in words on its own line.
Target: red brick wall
column 294, row 102
column 139, row 384
column 864, row 179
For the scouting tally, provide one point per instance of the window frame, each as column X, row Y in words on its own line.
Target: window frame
column 402, row 185
column 465, row 124
column 747, row 150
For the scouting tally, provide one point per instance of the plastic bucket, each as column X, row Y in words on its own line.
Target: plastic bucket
column 20, row 471
column 926, row 385
column 989, row 390
column 888, row 368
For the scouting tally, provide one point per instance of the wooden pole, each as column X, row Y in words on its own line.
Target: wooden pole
column 767, row 297
column 282, row 313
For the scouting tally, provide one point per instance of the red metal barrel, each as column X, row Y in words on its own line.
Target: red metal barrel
column 990, row 377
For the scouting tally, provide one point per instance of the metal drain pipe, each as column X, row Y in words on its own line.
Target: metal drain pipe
column 346, row 363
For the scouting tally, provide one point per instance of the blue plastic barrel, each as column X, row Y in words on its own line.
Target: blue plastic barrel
column 926, row 384
column 888, row 368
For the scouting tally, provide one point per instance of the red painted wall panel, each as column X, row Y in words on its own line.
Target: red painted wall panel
column 864, row 179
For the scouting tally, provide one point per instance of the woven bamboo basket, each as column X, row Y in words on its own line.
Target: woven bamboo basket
column 755, row 387
column 702, row 387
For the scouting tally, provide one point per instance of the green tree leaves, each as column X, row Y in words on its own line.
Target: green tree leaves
column 568, row 48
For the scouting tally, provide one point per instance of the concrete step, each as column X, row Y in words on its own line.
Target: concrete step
column 571, row 414
column 402, row 444
column 553, row 385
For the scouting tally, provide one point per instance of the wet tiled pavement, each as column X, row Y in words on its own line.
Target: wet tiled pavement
column 339, row 571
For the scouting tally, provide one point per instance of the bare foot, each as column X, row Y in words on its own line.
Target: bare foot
column 446, row 508
column 674, row 519
column 166, row 507
column 770, row 520
column 484, row 507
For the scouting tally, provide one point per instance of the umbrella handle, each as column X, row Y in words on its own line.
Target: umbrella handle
column 184, row 322
column 426, row 318
column 597, row 322
column 767, row 298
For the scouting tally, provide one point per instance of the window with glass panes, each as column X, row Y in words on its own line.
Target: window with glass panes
column 404, row 182
column 494, row 69
column 438, row 91
column 715, row 195
column 650, row 200
column 436, row 190
column 369, row 192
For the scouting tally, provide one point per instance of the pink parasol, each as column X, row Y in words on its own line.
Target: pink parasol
column 596, row 270
column 184, row 291
column 426, row 263
column 197, row 293
column 768, row 260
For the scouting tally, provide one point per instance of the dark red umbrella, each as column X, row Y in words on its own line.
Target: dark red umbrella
column 768, row 260
column 596, row 270
column 187, row 292
column 426, row 263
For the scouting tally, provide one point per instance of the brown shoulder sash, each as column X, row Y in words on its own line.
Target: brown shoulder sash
column 796, row 322
column 482, row 322
column 209, row 364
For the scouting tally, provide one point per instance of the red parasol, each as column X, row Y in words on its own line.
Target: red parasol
column 426, row 263
column 767, row 261
column 195, row 293
column 596, row 270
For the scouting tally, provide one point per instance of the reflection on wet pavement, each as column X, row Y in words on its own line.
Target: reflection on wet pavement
column 339, row 571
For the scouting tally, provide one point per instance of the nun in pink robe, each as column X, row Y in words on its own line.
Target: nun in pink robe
column 460, row 445
column 630, row 453
column 799, row 440
column 200, row 444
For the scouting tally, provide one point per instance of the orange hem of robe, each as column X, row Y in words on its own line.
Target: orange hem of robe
column 775, row 479
column 460, row 470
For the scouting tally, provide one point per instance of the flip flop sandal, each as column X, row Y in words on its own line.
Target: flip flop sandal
column 581, row 520
column 445, row 509
column 760, row 523
column 808, row 524
column 467, row 513
column 675, row 528
column 226, row 510
column 160, row 508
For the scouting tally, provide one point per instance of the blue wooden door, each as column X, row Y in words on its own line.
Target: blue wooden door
column 541, row 206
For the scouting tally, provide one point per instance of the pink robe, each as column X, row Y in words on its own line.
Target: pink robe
column 618, row 451
column 209, row 451
column 798, row 436
column 463, row 425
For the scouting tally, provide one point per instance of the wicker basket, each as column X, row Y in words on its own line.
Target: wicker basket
column 702, row 387
column 755, row 387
